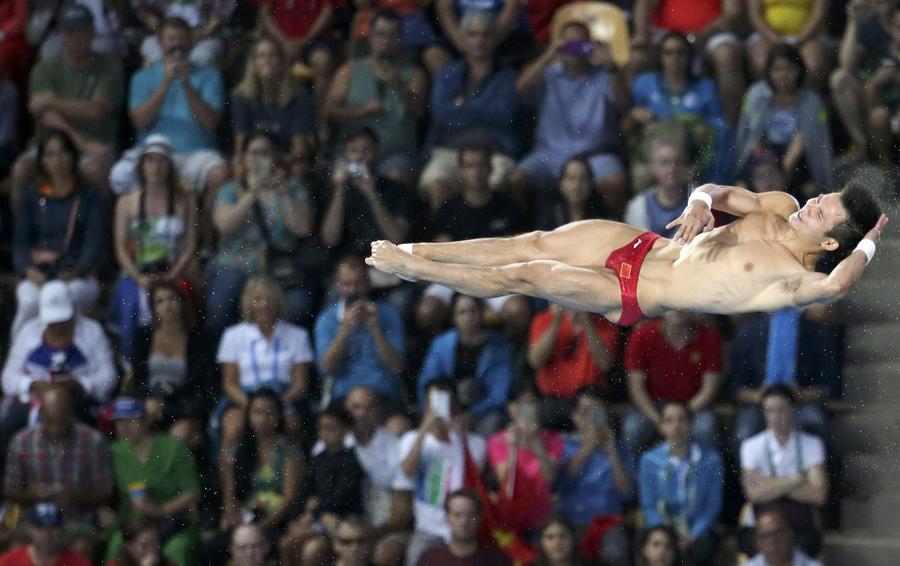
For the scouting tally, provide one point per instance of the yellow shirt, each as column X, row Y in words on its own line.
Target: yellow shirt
column 787, row 17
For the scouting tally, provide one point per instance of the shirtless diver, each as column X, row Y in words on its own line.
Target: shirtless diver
column 762, row 262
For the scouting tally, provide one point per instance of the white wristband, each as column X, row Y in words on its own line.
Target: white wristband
column 701, row 196
column 867, row 247
column 405, row 248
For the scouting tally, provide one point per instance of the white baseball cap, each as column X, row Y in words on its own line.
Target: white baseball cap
column 56, row 303
column 157, row 143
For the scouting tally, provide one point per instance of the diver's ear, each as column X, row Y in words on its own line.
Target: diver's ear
column 830, row 244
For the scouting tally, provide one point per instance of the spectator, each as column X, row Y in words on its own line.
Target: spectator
column 816, row 377
column 509, row 16
column 681, row 485
column 433, row 461
column 45, row 534
column 269, row 99
column 204, row 19
column 259, row 219
column 594, row 482
column 58, row 230
column 157, row 480
column 478, row 212
column 579, row 94
column 381, row 92
column 525, row 460
column 477, row 360
column 662, row 203
column 249, row 546
column 569, row 350
column 62, row 462
column 15, row 53
column 658, row 547
column 674, row 358
column 46, row 31
column 172, row 367
column 464, row 514
column 75, row 91
column 351, row 544
column 58, row 348
column 765, row 174
column 575, row 198
column 784, row 469
column 864, row 45
column 883, row 97
column 557, row 545
column 155, row 239
column 182, row 101
column 140, row 546
column 262, row 352
column 802, row 25
column 675, row 102
column 332, row 490
column 364, row 205
column 783, row 116
column 473, row 97
column 775, row 543
column 713, row 25
column 359, row 341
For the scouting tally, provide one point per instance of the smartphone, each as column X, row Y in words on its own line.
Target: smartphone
column 439, row 403
column 581, row 49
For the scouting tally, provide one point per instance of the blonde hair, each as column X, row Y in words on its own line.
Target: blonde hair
column 254, row 288
column 249, row 86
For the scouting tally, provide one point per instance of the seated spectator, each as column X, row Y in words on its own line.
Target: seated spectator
column 782, row 116
column 261, row 213
column 172, row 367
column 359, row 341
column 864, row 45
column 305, row 34
column 46, row 31
column 579, row 94
column 525, row 460
column 157, row 479
column 64, row 463
column 681, row 485
column 674, row 102
column 332, row 490
column 765, row 175
column 812, row 367
column 464, row 514
column 434, row 459
column 883, row 99
column 269, row 99
column 140, row 545
column 784, row 469
column 155, row 239
column 181, row 101
column 59, row 348
column 46, row 546
column 569, row 350
column 775, row 543
column 382, row 92
column 75, row 91
column 557, row 544
column 204, row 19
column 654, row 208
column 58, row 230
column 364, row 205
column 673, row 358
column 262, row 352
column 801, row 24
column 351, row 544
column 659, row 547
column 594, row 482
column 713, row 25
column 511, row 33
column 249, row 546
column 460, row 110
column 575, row 198
column 478, row 361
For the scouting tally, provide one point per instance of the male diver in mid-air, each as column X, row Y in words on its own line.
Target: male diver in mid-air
column 764, row 261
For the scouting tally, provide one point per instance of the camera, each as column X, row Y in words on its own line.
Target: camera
column 356, row 169
column 177, row 53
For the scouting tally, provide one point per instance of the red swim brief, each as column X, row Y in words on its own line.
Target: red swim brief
column 626, row 264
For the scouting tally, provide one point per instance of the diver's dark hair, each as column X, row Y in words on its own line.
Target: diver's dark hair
column 863, row 211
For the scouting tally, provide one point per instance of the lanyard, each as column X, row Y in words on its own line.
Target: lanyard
column 688, row 487
column 799, row 455
column 255, row 367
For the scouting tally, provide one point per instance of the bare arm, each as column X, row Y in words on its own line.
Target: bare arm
column 446, row 17
column 388, row 356
column 600, row 353
column 643, row 14
column 507, row 20
column 411, row 463
column 123, row 216
column 759, row 488
column 86, row 110
column 756, row 11
column 299, row 382
column 850, row 52
column 539, row 352
column 205, row 114
column 334, row 107
column 709, row 387
column 146, row 114
column 815, row 22
column 190, row 235
column 333, row 223
column 532, row 73
column 639, row 396
column 231, row 384
column 814, row 490
column 229, row 217
column 333, row 359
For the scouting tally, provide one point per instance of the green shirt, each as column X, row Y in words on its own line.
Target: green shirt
column 101, row 79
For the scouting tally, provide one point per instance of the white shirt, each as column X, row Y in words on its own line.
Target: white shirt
column 762, row 453
column 441, row 471
column 265, row 361
column 800, row 559
column 89, row 361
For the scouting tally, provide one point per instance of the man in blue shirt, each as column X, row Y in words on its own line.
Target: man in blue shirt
column 182, row 102
column 659, row 205
column 359, row 342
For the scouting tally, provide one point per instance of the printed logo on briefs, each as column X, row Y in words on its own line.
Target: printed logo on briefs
column 625, row 271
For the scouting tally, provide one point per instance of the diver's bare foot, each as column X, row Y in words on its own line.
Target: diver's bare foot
column 389, row 258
